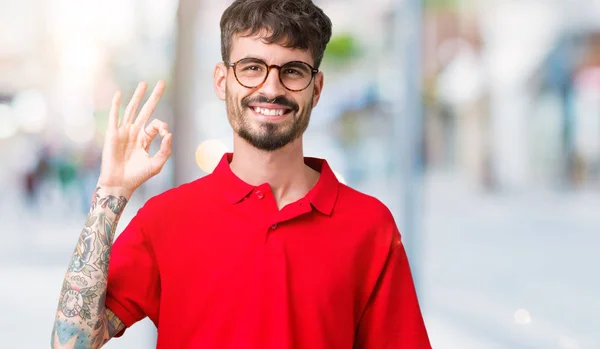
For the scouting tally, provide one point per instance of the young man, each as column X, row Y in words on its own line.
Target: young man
column 269, row 251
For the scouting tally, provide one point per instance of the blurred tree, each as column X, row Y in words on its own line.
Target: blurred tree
column 440, row 4
column 341, row 48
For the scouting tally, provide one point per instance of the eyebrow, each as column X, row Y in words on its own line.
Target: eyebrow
column 264, row 60
column 254, row 57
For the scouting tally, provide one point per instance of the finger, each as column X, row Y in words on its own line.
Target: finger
column 155, row 127
column 150, row 106
column 113, row 116
column 162, row 155
column 133, row 105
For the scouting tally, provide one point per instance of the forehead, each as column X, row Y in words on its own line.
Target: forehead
column 271, row 53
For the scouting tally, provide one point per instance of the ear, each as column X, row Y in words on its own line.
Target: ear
column 220, row 80
column 318, row 88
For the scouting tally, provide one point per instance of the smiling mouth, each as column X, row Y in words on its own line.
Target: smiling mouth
column 271, row 112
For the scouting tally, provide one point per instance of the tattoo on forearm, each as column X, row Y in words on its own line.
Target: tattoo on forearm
column 116, row 204
column 76, row 301
column 82, row 319
column 115, row 325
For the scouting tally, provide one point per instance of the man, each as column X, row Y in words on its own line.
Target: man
column 269, row 251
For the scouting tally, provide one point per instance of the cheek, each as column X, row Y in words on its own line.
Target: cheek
column 231, row 85
column 236, row 93
column 307, row 100
column 232, row 96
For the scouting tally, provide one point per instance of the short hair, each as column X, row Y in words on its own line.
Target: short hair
column 298, row 24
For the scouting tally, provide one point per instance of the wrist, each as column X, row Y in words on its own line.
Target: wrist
column 103, row 190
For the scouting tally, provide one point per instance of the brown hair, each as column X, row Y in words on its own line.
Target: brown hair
column 298, row 24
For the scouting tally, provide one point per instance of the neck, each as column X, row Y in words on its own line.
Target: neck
column 284, row 169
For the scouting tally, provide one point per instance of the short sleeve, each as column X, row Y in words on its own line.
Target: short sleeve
column 393, row 319
column 133, row 287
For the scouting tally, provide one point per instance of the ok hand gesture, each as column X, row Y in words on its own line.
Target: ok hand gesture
column 126, row 163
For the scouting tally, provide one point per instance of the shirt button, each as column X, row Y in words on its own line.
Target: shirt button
column 259, row 194
column 274, row 226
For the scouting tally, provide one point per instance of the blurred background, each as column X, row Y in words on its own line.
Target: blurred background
column 476, row 121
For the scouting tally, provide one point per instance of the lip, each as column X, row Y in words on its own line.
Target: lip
column 287, row 112
column 268, row 106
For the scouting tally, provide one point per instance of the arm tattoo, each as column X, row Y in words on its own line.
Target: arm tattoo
column 115, row 325
column 82, row 321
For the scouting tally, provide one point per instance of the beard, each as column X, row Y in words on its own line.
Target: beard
column 267, row 136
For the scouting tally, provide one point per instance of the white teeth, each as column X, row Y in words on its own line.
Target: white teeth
column 269, row 112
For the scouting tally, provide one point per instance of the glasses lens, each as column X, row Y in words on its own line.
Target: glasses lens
column 296, row 75
column 251, row 72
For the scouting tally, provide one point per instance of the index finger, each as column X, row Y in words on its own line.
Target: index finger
column 113, row 116
column 151, row 104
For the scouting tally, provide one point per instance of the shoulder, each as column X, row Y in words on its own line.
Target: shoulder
column 366, row 206
column 371, row 220
column 179, row 205
column 176, row 197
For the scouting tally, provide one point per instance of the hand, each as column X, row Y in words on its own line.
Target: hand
column 126, row 163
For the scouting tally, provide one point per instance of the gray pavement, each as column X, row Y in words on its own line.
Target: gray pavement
column 487, row 256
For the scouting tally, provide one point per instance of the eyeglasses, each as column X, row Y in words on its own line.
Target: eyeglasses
column 252, row 73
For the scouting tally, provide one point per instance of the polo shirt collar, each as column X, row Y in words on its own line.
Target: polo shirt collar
column 235, row 189
column 322, row 196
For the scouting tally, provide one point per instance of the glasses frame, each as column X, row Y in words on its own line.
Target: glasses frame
column 269, row 67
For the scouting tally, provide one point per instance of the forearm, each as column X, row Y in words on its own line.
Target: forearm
column 81, row 319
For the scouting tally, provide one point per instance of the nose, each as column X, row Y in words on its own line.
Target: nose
column 272, row 87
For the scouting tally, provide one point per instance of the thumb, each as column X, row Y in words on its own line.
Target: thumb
column 162, row 155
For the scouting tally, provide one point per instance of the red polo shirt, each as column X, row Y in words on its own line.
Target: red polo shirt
column 214, row 264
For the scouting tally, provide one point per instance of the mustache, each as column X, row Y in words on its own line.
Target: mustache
column 282, row 101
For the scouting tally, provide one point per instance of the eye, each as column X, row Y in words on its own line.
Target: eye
column 252, row 67
column 292, row 71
